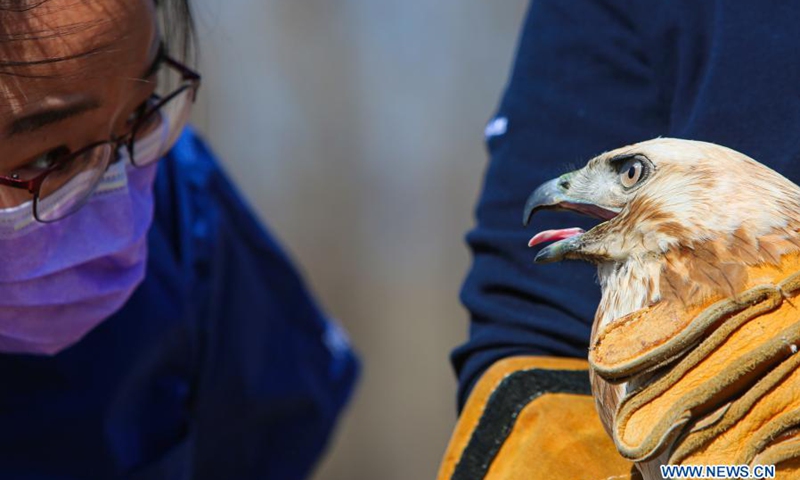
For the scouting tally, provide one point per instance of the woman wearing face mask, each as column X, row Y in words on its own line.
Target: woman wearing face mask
column 149, row 327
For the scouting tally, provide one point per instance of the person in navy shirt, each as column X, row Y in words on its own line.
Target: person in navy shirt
column 590, row 76
column 150, row 328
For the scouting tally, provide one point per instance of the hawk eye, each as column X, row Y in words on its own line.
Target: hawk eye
column 631, row 172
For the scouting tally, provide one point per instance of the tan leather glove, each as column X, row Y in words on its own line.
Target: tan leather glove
column 712, row 384
column 531, row 418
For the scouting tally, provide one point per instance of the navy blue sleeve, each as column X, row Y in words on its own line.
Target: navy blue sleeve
column 276, row 371
column 582, row 84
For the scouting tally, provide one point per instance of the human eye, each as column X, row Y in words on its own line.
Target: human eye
column 39, row 164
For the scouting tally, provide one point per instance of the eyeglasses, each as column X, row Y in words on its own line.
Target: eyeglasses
column 63, row 187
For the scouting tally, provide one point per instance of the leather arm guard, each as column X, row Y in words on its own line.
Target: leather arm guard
column 709, row 385
column 531, row 418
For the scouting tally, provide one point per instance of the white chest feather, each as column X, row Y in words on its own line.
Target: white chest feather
column 626, row 287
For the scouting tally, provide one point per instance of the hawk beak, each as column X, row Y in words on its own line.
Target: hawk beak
column 554, row 195
column 559, row 250
column 548, row 195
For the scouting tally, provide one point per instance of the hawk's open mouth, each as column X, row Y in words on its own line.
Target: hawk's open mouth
column 552, row 195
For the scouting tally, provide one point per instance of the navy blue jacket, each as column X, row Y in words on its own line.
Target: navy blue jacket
column 219, row 367
column 591, row 76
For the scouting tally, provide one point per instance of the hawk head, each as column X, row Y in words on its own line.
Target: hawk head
column 680, row 218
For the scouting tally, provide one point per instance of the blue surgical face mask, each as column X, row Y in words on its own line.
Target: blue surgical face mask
column 59, row 280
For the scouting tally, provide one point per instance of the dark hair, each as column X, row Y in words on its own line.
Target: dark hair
column 174, row 18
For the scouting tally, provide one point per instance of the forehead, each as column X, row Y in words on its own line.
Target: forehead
column 52, row 46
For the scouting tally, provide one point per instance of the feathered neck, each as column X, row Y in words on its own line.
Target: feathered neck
column 690, row 274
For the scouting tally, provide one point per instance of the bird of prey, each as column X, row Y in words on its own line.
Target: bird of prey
column 692, row 346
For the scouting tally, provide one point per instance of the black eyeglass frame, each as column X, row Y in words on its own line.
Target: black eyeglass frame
column 189, row 80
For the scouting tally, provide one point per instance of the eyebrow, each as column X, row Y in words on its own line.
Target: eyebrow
column 50, row 115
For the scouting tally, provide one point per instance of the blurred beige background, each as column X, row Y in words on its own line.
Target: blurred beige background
column 355, row 129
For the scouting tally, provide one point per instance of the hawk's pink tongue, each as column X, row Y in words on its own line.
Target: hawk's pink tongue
column 549, row 235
